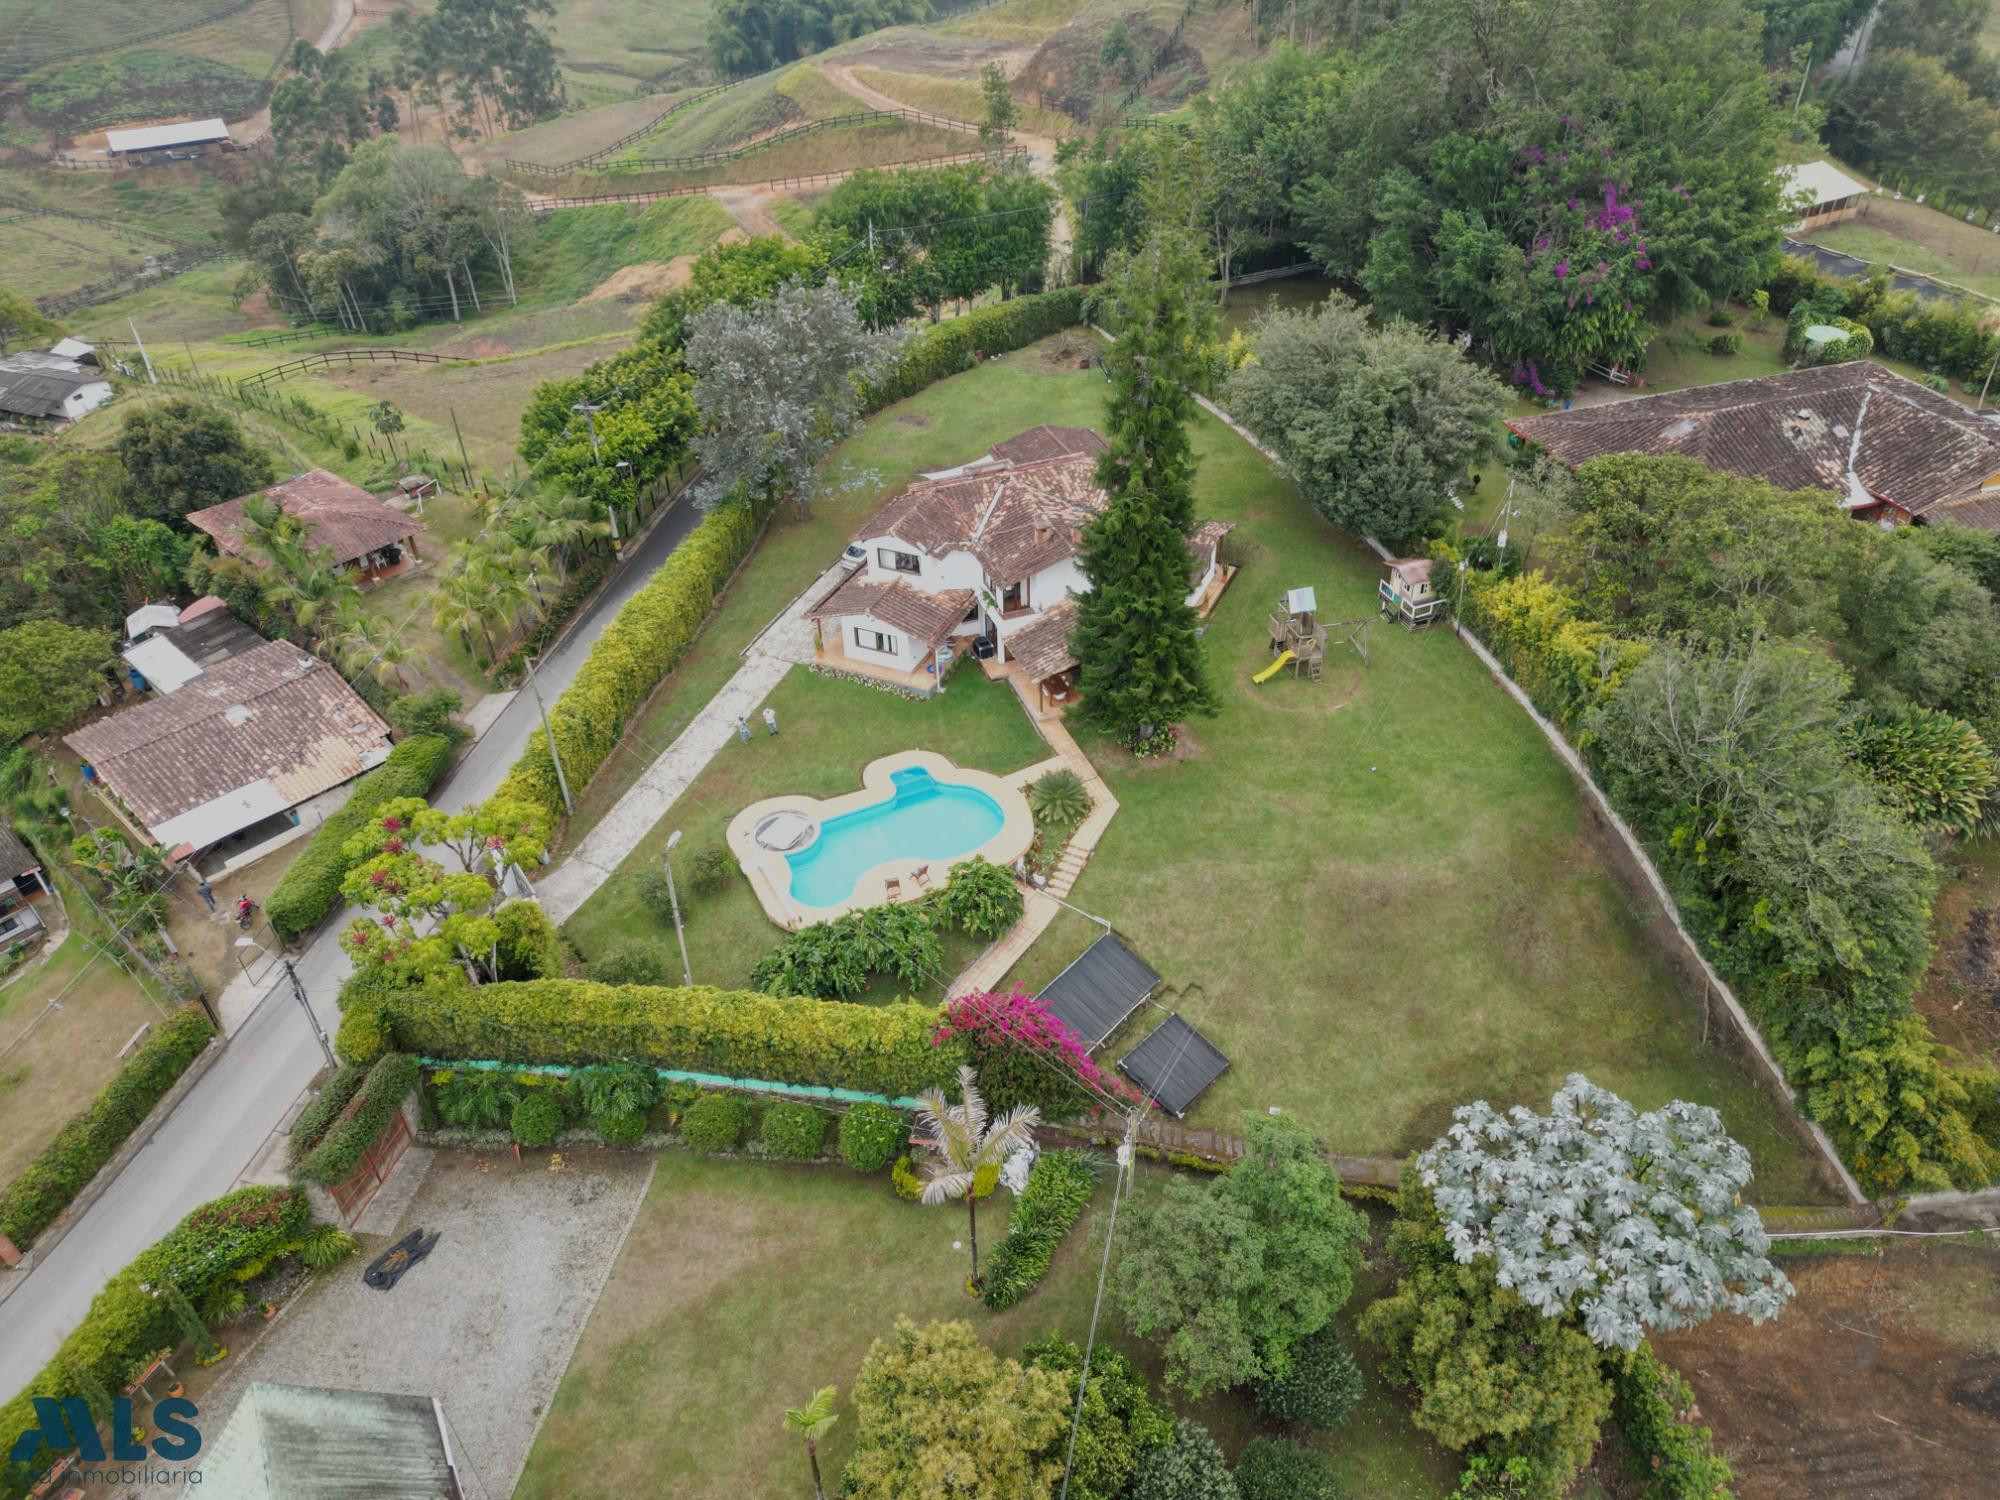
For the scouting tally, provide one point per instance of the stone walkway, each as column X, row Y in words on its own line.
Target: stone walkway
column 991, row 967
column 785, row 643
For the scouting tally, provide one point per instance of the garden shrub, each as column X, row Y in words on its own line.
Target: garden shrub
column 979, row 899
column 1565, row 663
column 317, row 1117
column 381, row 1094
column 836, row 959
column 46, row 1186
column 537, row 1117
column 1189, row 1468
column 656, row 895
column 1320, row 1389
column 1025, row 1054
column 126, row 1326
column 870, row 1135
column 627, row 964
column 1726, row 344
column 909, row 1185
column 620, row 1129
column 794, row 1130
column 528, row 948
column 1120, row 1421
column 1933, row 335
column 1058, row 1189
column 712, row 871
column 715, row 1122
column 1666, row 1455
column 876, row 1049
column 1273, row 1469
column 311, row 887
column 1060, row 799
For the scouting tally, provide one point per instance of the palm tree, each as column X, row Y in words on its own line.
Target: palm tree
column 461, row 606
column 811, row 1422
column 310, row 585
column 967, row 1149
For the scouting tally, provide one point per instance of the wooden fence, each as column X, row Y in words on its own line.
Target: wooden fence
column 324, row 357
column 159, row 268
column 538, row 169
column 772, row 184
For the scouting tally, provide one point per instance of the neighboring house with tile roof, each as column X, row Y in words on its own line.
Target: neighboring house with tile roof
column 252, row 749
column 363, row 533
column 984, row 550
column 50, row 387
column 1886, row 448
column 22, row 883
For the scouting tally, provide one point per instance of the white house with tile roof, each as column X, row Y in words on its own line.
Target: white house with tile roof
column 986, row 549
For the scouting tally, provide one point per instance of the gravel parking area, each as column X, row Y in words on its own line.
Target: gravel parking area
column 486, row 1324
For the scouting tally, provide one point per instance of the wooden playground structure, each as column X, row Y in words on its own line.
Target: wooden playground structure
column 1299, row 638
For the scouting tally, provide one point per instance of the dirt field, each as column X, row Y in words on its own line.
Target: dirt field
column 1920, row 239
column 1882, row 1378
column 1960, row 995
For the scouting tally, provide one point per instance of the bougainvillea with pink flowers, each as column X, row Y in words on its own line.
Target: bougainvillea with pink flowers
column 1025, row 1053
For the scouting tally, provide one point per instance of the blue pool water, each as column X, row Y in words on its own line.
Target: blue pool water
column 923, row 818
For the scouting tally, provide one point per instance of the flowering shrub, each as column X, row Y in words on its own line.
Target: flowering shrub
column 1021, row 1048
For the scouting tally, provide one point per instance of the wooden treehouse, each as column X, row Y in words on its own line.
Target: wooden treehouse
column 1406, row 593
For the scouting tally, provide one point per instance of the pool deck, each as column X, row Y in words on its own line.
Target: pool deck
column 770, row 873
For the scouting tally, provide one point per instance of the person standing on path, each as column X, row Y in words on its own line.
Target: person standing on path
column 743, row 729
column 207, row 894
column 771, row 721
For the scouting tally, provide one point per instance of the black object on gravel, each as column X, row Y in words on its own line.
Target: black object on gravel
column 387, row 1268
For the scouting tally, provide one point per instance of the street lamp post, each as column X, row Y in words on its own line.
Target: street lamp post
column 298, row 994
column 673, row 898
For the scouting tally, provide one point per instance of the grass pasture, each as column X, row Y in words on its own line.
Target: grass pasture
column 1919, row 238
column 957, row 99
column 44, row 254
column 874, row 142
column 613, row 47
column 1419, row 911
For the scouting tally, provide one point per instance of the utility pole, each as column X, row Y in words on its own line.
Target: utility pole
column 461, row 446
column 555, row 755
column 673, row 897
column 299, row 994
column 1988, row 384
column 143, row 355
column 588, row 410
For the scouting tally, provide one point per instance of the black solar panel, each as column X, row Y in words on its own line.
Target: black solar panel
column 1173, row 1065
column 1100, row 989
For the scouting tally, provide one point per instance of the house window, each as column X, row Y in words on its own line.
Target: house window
column 899, row 562
column 875, row 640
column 1015, row 599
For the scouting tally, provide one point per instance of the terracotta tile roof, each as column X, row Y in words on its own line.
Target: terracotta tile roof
column 15, row 857
column 927, row 617
column 342, row 517
column 273, row 714
column 1039, row 443
column 1015, row 519
column 1043, row 648
column 1917, row 448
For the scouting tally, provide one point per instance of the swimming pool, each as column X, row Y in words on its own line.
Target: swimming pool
column 914, row 816
column 922, row 819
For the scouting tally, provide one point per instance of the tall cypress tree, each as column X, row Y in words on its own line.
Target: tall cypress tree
column 1140, row 661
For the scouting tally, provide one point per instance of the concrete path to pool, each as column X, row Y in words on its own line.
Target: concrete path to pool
column 785, row 643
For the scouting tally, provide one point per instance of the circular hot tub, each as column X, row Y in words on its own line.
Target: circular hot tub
column 785, row 832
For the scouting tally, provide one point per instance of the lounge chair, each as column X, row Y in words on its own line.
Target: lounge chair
column 893, row 889
column 921, row 875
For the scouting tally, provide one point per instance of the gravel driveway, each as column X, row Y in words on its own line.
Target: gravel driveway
column 486, row 1324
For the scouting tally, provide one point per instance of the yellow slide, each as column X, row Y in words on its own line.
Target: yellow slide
column 1272, row 671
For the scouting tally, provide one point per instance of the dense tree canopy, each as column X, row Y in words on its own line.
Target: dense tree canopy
column 49, row 673
column 22, row 323
column 1378, row 426
column 70, row 548
column 939, row 1416
column 753, row 36
column 1230, row 1275
column 184, row 455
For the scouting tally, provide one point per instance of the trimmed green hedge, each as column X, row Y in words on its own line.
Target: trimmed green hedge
column 1059, row 1187
column 877, row 1049
column 381, row 1094
column 1668, row 1455
column 955, row 346
column 311, row 887
column 46, row 1185
column 126, row 1326
column 317, row 1117
column 640, row 646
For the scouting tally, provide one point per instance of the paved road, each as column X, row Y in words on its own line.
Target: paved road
column 206, row 1143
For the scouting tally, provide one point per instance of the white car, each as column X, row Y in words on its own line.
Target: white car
column 853, row 557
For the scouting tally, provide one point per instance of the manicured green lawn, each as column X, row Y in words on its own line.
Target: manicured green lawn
column 1380, row 889
column 830, row 730
column 745, row 1286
